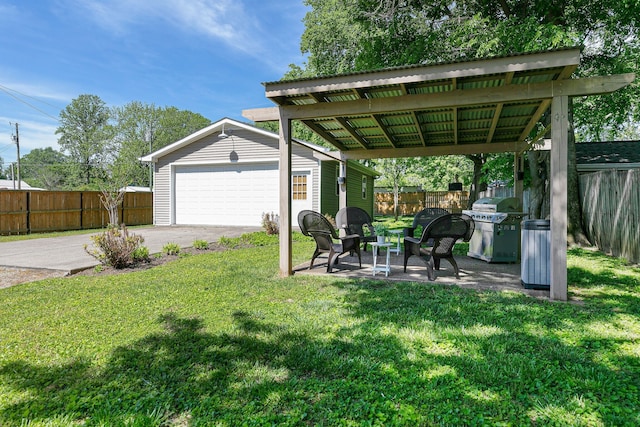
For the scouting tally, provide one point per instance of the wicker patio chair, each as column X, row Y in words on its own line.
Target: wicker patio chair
column 423, row 218
column 317, row 226
column 444, row 231
column 353, row 220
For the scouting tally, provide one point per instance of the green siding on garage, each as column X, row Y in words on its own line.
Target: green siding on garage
column 328, row 196
column 329, row 199
column 355, row 193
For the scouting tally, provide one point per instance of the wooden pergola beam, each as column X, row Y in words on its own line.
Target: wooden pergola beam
column 435, row 150
column 457, row 98
column 408, row 75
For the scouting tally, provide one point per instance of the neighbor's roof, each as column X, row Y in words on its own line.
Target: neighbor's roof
column 8, row 184
column 594, row 156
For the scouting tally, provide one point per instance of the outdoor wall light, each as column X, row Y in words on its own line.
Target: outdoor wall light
column 341, row 180
column 222, row 134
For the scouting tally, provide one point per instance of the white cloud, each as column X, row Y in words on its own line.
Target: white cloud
column 239, row 25
column 33, row 134
column 224, row 20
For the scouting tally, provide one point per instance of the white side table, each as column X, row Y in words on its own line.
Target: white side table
column 386, row 268
column 397, row 233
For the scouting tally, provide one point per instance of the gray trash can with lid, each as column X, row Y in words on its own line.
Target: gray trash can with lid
column 535, row 261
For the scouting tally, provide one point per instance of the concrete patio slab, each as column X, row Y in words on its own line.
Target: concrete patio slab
column 474, row 273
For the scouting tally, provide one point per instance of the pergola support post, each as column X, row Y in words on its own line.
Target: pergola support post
column 342, row 188
column 559, row 160
column 286, row 263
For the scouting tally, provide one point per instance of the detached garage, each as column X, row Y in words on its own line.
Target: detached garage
column 227, row 174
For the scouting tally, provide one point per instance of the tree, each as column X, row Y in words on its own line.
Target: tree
column 138, row 130
column 175, row 124
column 84, row 133
column 394, row 174
column 136, row 127
column 45, row 168
column 393, row 33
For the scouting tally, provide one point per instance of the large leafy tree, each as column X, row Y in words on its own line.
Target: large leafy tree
column 85, row 134
column 135, row 128
column 45, row 168
column 393, row 32
column 175, row 124
column 139, row 129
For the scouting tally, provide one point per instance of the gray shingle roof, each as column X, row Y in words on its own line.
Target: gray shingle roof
column 608, row 152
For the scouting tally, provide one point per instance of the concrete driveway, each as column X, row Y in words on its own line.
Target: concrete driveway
column 67, row 253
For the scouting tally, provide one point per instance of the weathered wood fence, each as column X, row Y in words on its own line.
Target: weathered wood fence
column 611, row 211
column 25, row 212
column 410, row 203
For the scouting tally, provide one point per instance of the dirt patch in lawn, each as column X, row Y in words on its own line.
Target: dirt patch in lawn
column 10, row 276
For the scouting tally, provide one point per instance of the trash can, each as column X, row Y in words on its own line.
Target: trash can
column 535, row 261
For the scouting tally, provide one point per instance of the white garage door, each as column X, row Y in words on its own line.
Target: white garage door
column 233, row 194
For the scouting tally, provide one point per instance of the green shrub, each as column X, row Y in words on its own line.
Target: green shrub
column 141, row 254
column 271, row 223
column 115, row 247
column 171, row 249
column 201, row 245
column 229, row 242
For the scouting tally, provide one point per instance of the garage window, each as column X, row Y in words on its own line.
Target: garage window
column 299, row 187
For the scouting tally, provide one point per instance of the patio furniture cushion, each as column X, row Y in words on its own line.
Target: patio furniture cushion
column 444, row 231
column 353, row 220
column 317, row 226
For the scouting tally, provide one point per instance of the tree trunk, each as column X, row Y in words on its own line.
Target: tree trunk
column 575, row 233
column 476, row 186
column 539, row 187
column 396, row 196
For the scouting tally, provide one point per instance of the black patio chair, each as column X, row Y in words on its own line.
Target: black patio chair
column 423, row 218
column 444, row 232
column 317, row 226
column 353, row 220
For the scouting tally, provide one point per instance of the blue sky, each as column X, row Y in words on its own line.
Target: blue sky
column 206, row 56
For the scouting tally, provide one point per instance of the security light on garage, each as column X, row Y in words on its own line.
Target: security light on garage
column 222, row 134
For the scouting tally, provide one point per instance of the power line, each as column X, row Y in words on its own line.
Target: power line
column 9, row 91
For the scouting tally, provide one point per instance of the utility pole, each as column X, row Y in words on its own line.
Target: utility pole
column 16, row 138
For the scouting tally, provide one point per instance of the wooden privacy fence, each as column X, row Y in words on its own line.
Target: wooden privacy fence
column 611, row 211
column 410, row 203
column 25, row 212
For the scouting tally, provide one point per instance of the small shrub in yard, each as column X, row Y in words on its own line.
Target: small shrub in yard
column 201, row 245
column 115, row 247
column 171, row 249
column 229, row 242
column 270, row 223
column 141, row 254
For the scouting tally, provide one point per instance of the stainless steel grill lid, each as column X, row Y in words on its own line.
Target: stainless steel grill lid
column 498, row 204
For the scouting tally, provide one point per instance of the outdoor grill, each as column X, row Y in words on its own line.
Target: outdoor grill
column 497, row 234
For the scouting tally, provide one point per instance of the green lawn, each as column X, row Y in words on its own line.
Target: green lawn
column 220, row 339
column 16, row 237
